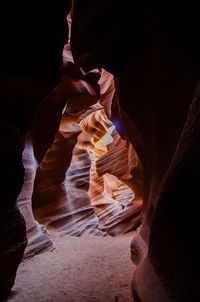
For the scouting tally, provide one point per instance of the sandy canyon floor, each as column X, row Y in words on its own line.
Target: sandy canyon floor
column 80, row 269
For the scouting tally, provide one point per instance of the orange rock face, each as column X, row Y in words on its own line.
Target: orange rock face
column 82, row 184
column 109, row 193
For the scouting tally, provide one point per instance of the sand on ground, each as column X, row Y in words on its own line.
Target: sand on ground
column 80, row 269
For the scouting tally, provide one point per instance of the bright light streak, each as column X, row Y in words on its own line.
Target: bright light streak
column 100, row 147
column 105, row 140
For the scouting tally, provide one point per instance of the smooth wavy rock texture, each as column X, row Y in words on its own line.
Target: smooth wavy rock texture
column 73, row 180
column 38, row 240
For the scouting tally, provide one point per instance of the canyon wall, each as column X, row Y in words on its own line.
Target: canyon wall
column 153, row 50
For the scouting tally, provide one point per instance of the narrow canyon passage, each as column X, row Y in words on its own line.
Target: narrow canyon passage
column 80, row 269
column 100, row 151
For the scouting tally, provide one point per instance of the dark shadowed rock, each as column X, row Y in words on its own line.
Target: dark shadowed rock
column 153, row 49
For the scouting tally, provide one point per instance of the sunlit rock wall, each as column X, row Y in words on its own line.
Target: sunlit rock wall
column 112, row 161
column 60, row 194
column 60, row 198
column 73, row 180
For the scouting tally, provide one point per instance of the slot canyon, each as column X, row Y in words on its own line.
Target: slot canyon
column 100, row 149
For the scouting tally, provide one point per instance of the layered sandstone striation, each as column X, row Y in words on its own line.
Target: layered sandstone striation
column 38, row 239
column 73, row 180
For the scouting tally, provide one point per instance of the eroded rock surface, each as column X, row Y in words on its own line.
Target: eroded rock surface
column 153, row 49
column 31, row 58
column 38, row 240
column 66, row 180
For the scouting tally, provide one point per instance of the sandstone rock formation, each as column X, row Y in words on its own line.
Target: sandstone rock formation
column 31, row 58
column 51, row 157
column 105, row 180
column 60, row 196
column 153, row 50
column 61, row 199
column 38, row 240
